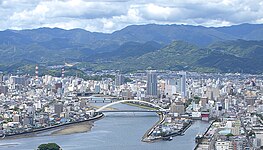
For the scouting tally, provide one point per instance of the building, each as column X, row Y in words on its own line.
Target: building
column 177, row 108
column 151, row 83
column 58, row 85
column 126, row 94
column 204, row 101
column 16, row 80
column 83, row 103
column 119, row 79
column 227, row 104
column 250, row 100
column 1, row 77
column 3, row 89
column 17, row 118
column 223, row 145
column 97, row 88
column 58, row 108
column 169, row 87
column 183, row 84
column 205, row 116
column 28, row 120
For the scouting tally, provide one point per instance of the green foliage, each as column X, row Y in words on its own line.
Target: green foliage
column 49, row 146
column 127, row 80
column 229, row 134
column 181, row 55
column 99, row 77
column 251, row 133
column 188, row 102
column 197, row 99
column 16, row 108
column 135, row 48
column 9, row 120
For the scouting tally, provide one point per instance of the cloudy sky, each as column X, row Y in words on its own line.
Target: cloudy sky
column 111, row 15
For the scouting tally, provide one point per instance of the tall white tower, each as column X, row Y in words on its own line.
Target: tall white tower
column 36, row 71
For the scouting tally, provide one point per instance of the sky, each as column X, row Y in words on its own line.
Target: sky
column 111, row 15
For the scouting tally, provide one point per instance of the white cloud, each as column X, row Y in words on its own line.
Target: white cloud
column 111, row 15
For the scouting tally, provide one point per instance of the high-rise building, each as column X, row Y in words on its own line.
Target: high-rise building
column 1, row 77
column 183, row 84
column 3, row 89
column 151, row 83
column 170, row 87
column 119, row 80
column 18, row 80
column 97, row 88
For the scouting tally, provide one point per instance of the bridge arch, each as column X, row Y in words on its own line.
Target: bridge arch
column 123, row 101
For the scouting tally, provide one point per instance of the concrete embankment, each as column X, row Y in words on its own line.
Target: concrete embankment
column 149, row 132
column 197, row 145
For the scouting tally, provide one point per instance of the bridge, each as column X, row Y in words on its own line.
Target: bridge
column 150, row 111
column 99, row 99
column 158, row 108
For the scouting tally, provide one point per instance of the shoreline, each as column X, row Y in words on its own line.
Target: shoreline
column 181, row 132
column 76, row 128
column 197, row 144
column 146, row 136
column 52, row 128
column 148, row 132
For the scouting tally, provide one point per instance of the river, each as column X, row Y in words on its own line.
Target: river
column 116, row 131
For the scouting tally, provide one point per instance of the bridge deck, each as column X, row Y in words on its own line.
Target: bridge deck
column 131, row 111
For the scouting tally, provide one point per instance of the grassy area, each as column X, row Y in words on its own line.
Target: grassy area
column 108, row 108
column 140, row 106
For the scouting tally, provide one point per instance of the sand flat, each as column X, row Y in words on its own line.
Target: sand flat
column 76, row 128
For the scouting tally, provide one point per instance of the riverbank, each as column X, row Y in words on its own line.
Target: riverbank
column 139, row 106
column 199, row 144
column 156, row 132
column 76, row 128
column 54, row 128
column 146, row 136
column 102, row 95
column 110, row 132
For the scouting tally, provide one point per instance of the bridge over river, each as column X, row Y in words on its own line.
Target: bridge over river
column 140, row 102
column 147, row 111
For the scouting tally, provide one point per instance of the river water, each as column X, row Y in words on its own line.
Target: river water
column 116, row 131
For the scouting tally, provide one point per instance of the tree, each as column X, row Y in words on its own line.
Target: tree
column 49, row 146
column 229, row 134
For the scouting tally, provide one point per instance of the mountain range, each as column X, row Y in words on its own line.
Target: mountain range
column 237, row 48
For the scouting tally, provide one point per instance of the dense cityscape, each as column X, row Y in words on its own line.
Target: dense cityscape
column 231, row 103
column 131, row 75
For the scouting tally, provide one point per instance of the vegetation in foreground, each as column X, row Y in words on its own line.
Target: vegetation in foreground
column 49, row 146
